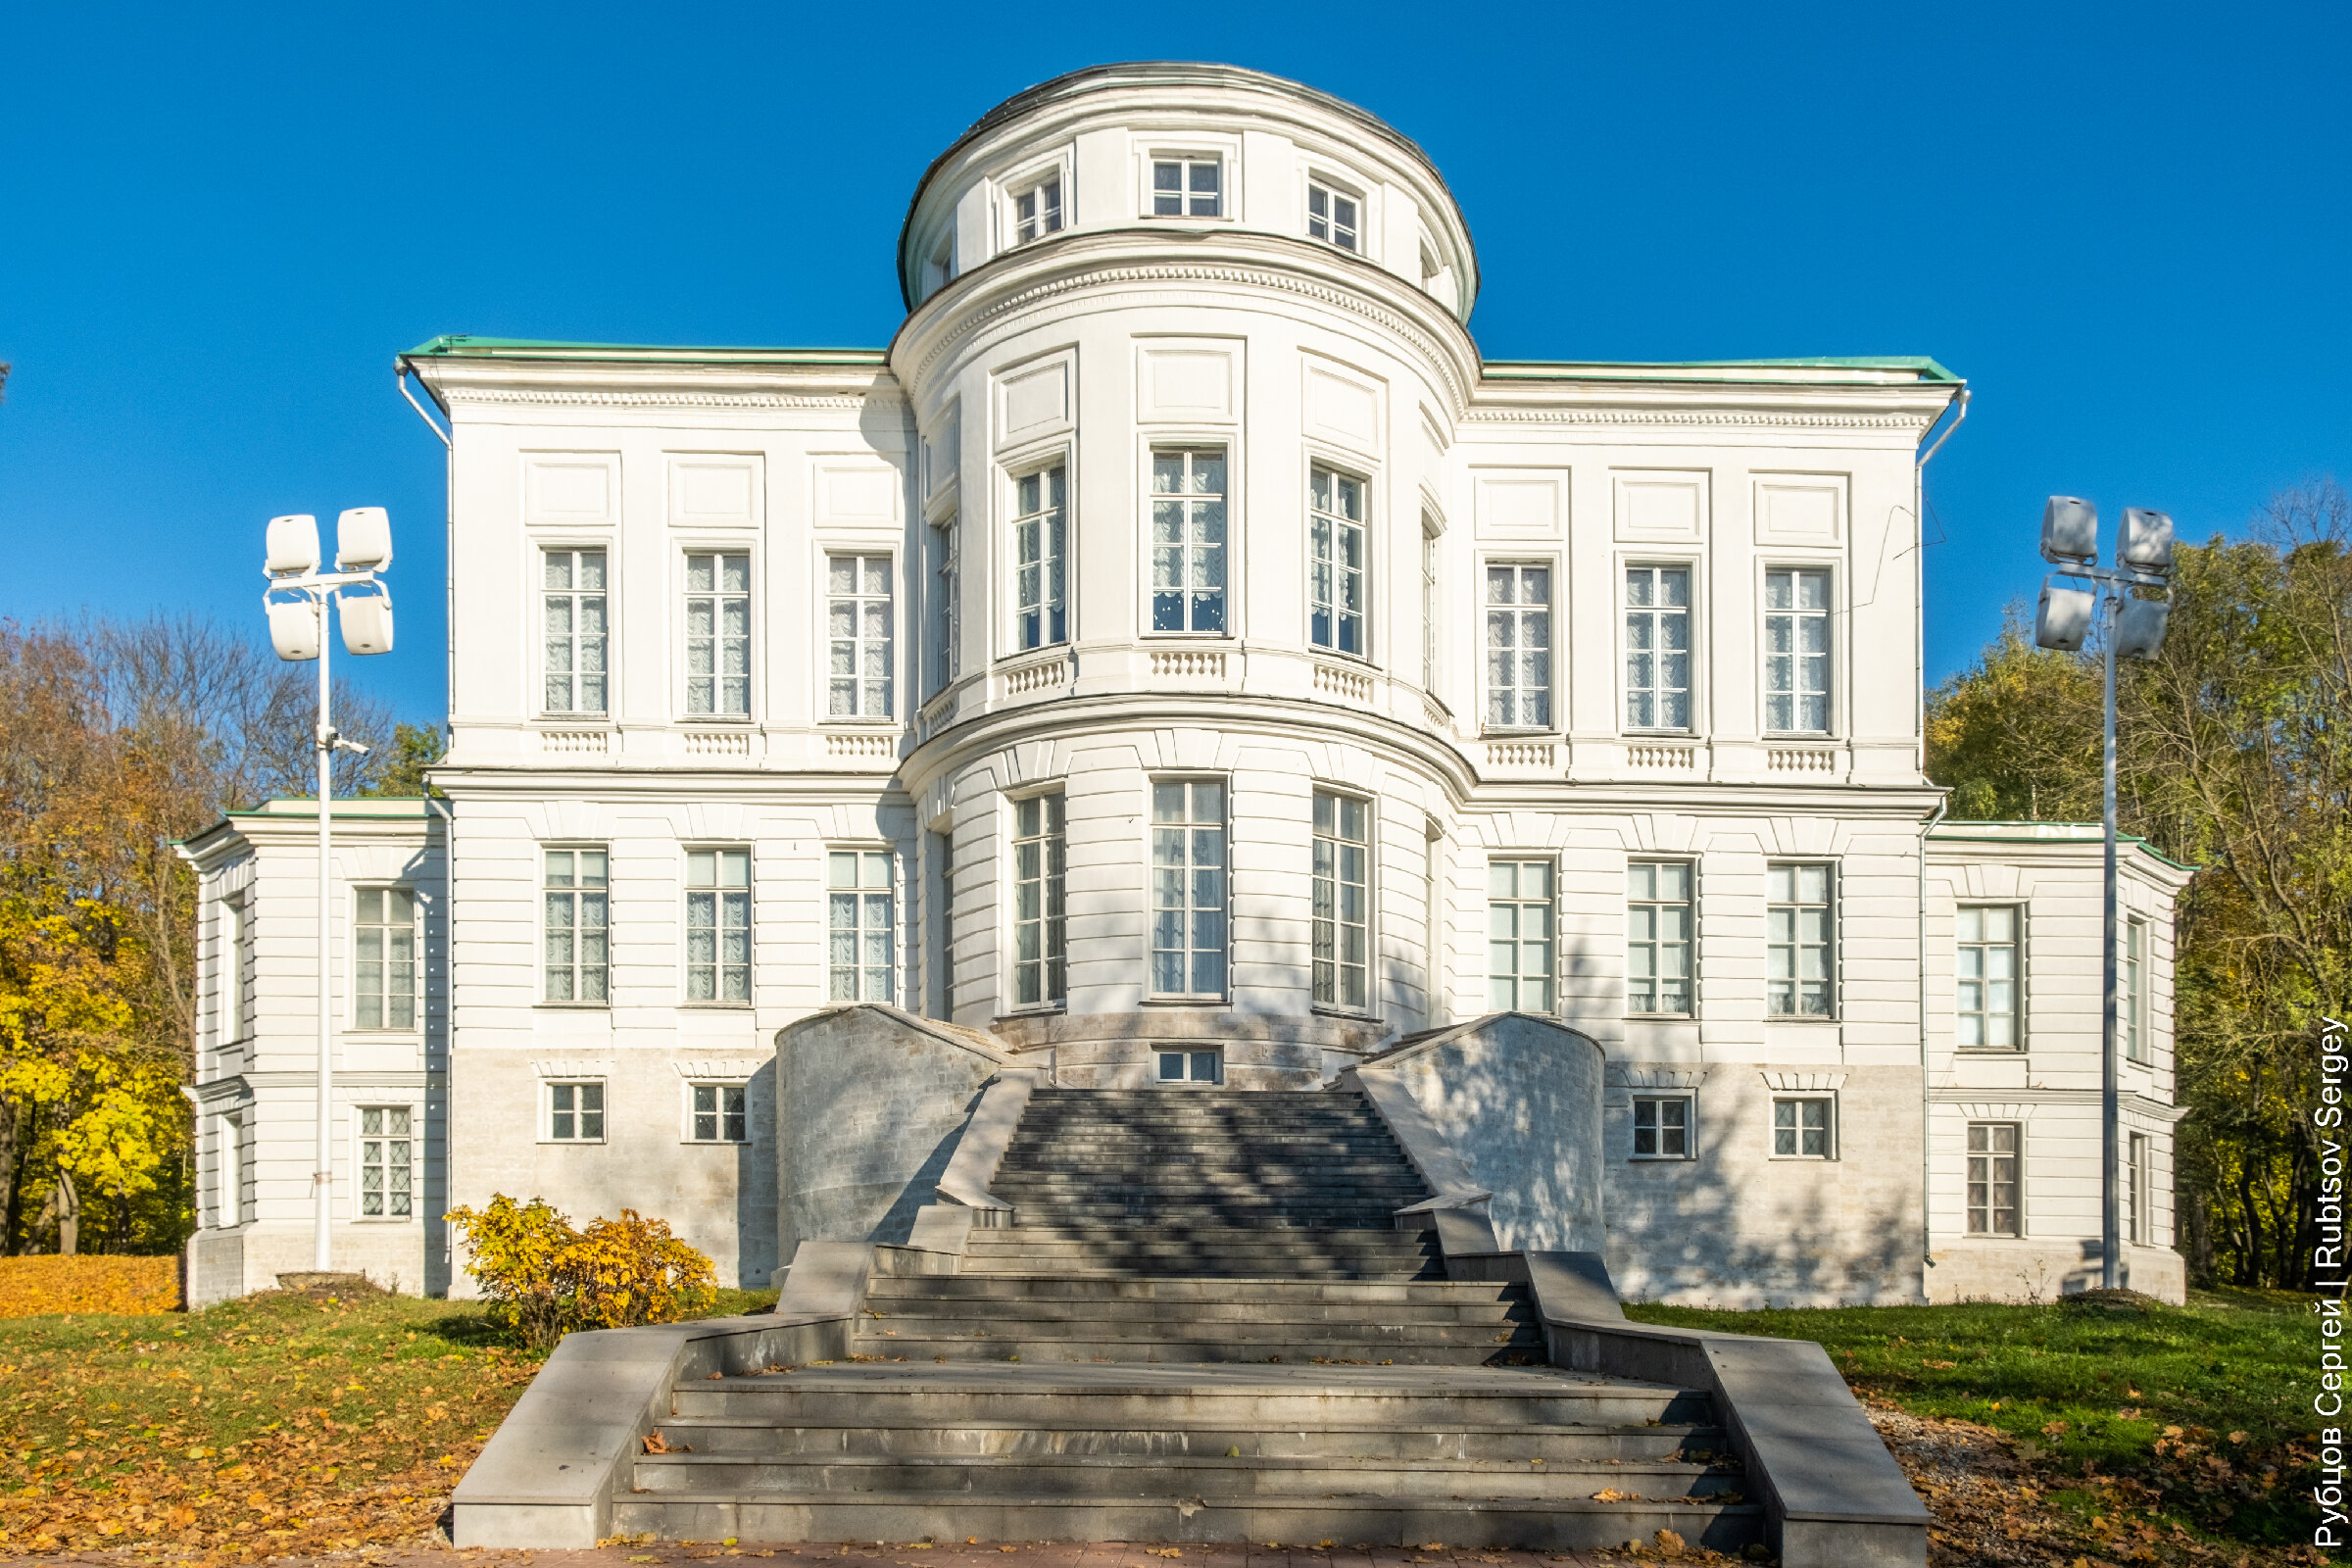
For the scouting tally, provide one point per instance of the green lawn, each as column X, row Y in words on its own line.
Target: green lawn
column 275, row 1423
column 2206, row 1408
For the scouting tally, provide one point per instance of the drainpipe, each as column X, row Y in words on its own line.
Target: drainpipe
column 1919, row 631
column 448, row 995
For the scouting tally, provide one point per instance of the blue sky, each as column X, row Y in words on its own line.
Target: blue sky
column 2126, row 225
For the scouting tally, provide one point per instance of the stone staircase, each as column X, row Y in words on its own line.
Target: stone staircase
column 1203, row 1326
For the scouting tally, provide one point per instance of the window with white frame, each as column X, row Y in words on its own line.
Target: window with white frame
column 1188, row 888
column 719, row 925
column 228, row 1172
column 1658, row 936
column 1331, row 214
column 1985, row 971
column 1518, row 646
column 2134, row 982
column 384, row 960
column 946, row 603
column 1796, row 652
column 2137, row 1190
column 857, row 632
column 718, row 634
column 1658, row 648
column 1343, row 869
column 1041, row 559
column 861, row 925
column 1040, row 927
column 1188, row 187
column 1428, row 603
column 941, row 847
column 1662, row 1127
column 1335, row 560
column 1800, row 965
column 715, row 1113
column 575, row 901
column 237, row 987
column 1037, row 206
column 1804, row 1127
column 1187, row 540
column 1192, row 1066
column 388, row 1163
column 1992, row 1190
column 573, row 631
column 1519, row 936
column 575, row 1111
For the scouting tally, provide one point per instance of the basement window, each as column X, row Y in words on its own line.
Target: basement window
column 1192, row 1066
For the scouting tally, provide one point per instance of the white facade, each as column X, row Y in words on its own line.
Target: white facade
column 1181, row 637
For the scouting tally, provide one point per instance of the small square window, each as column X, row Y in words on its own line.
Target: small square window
column 1804, row 1129
column 1192, row 1066
column 1186, row 188
column 1332, row 216
column 576, row 1113
column 718, row 1114
column 1037, row 207
column 1661, row 1126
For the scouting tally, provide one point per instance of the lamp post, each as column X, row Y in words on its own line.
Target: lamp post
column 2143, row 558
column 296, row 602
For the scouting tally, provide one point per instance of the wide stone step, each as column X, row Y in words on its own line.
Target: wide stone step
column 1513, row 1441
column 1208, row 1180
column 1238, row 1293
column 1109, row 1344
column 1204, row 1476
column 1259, row 1398
column 907, row 1314
column 1273, row 1243
column 1537, row 1524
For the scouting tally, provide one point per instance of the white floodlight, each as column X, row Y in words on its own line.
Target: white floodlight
column 2139, row 625
column 2144, row 543
column 293, row 547
column 294, row 629
column 2070, row 530
column 2062, row 619
column 367, row 624
column 364, row 539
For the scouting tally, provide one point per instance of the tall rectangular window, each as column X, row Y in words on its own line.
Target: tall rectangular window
column 719, row 925
column 1040, row 928
column 861, row 925
column 383, row 968
column 1428, row 607
column 718, row 1114
column 575, row 893
column 1335, row 564
column 1041, row 559
column 1331, row 214
column 1985, row 978
column 1188, row 888
column 718, row 634
column 1804, row 1128
column 388, row 1163
column 1658, row 648
column 858, row 628
column 228, row 1172
column 1519, row 936
column 1799, row 963
column 1661, row 1126
column 1037, row 209
column 1186, row 188
column 942, row 921
column 2137, row 1190
column 1188, row 541
column 1796, row 653
column 237, row 994
column 575, row 1112
column 2134, row 982
column 946, row 603
column 1343, row 903
column 1993, row 1178
column 1658, row 936
column 572, row 628
column 1519, row 646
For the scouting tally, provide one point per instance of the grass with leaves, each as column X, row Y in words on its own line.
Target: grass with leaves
column 284, row 1423
column 2199, row 1414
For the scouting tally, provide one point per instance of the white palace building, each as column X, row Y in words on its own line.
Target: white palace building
column 1180, row 658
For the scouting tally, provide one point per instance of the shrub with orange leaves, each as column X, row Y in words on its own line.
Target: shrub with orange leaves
column 543, row 1278
column 39, row 1286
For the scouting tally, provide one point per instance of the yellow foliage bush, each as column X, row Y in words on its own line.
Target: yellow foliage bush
column 544, row 1278
column 38, row 1286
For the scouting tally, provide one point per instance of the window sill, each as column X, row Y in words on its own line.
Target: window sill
column 575, row 720
column 576, row 1006
column 716, row 1006
column 1661, row 1160
column 1187, row 1001
column 382, row 1220
column 1777, row 1018
column 1509, row 732
column 715, row 1143
column 720, row 721
column 1661, row 1017
column 859, row 721
column 1685, row 734
column 1042, row 1010
column 571, row 1143
column 1994, row 1052
column 1802, row 1160
column 1351, row 1014
column 374, row 1035
column 1807, row 737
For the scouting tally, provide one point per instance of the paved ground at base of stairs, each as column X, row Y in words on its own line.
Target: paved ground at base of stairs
column 983, row 1554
